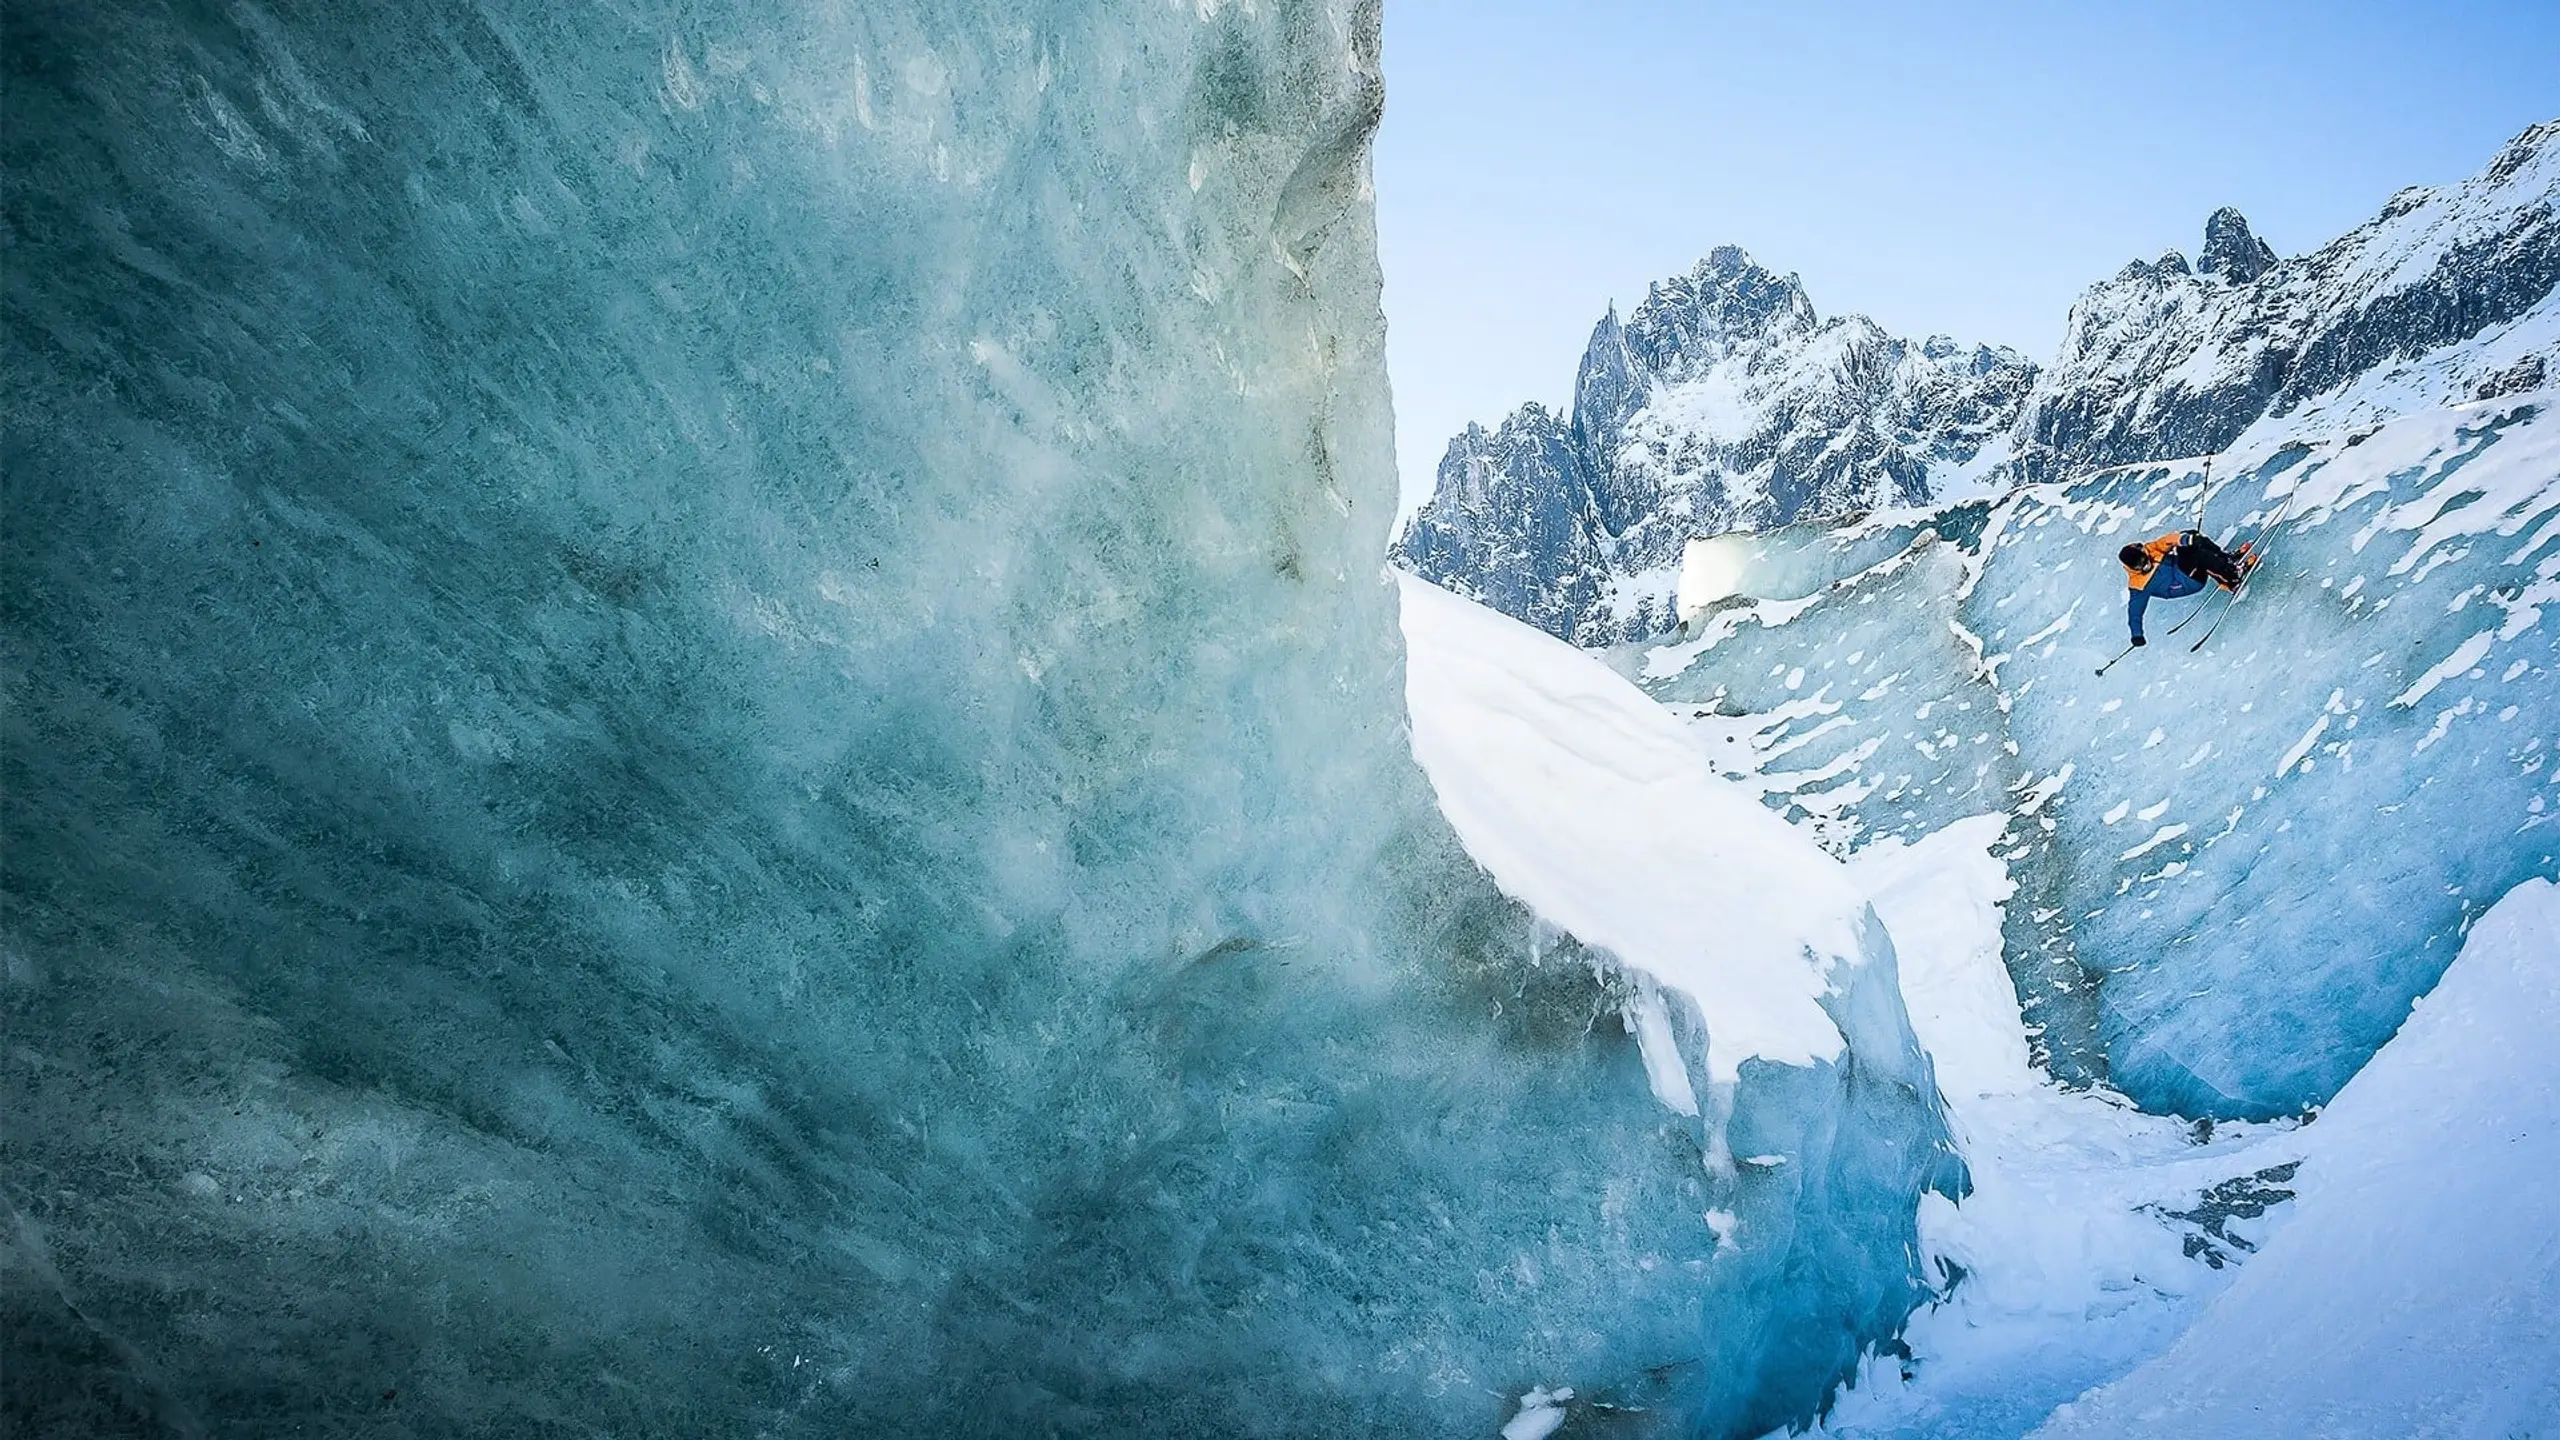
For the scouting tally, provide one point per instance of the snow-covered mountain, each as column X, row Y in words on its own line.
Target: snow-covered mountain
column 1725, row 403
column 2427, row 301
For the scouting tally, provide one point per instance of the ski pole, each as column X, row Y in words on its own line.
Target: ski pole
column 2110, row 665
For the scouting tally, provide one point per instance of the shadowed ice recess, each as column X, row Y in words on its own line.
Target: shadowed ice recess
column 704, row 737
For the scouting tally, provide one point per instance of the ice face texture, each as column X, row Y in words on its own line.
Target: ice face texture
column 2420, row 1236
column 2236, row 866
column 704, row 737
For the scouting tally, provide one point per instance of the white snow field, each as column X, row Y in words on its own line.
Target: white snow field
column 2413, row 1283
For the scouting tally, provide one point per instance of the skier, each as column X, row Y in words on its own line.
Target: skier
column 2177, row 564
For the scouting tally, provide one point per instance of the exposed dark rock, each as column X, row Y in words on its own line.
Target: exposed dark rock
column 2529, row 373
column 2231, row 250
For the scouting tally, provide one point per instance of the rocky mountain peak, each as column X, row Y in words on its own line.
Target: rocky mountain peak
column 1727, row 298
column 1724, row 402
column 2231, row 250
column 2523, row 150
column 2171, row 263
column 1608, row 388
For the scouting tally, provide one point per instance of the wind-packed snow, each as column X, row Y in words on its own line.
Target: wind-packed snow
column 2093, row 1231
column 2412, row 1288
column 1760, row 989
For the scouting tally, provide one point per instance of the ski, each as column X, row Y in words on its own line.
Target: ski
column 2258, row 549
column 2228, row 602
column 2202, row 503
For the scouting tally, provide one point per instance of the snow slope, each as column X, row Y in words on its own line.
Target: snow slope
column 2093, row 1231
column 2415, row 1289
column 2412, row 1288
column 1762, row 994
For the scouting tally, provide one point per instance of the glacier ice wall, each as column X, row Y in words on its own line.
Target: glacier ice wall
column 702, row 736
column 2237, row 866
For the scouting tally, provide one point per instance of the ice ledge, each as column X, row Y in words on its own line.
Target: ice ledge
column 1589, row 803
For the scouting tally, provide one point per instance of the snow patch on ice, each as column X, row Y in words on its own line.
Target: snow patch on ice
column 2469, row 653
column 1590, row 803
column 1542, row 1413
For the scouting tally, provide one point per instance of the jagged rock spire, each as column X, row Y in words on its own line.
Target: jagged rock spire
column 1609, row 387
column 1726, row 299
column 2231, row 250
column 1723, row 400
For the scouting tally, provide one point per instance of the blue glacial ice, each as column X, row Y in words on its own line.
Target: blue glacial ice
column 702, row 736
column 2237, row 866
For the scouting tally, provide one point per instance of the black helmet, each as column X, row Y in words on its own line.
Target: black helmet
column 2134, row 557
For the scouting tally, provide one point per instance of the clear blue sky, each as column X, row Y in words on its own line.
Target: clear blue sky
column 1954, row 168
